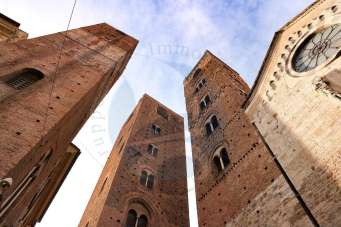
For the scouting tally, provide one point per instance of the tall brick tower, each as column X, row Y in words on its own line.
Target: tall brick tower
column 49, row 86
column 9, row 30
column 237, row 182
column 144, row 181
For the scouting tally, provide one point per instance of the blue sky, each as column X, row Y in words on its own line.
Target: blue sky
column 173, row 35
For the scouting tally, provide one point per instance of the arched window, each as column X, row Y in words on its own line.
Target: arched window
column 24, row 78
column 131, row 218
column 217, row 163
column 153, row 150
column 221, row 159
column 136, row 220
column 211, row 125
column 224, row 156
column 205, row 102
column 143, row 221
column 156, row 129
column 197, row 73
column 147, row 179
column 150, row 181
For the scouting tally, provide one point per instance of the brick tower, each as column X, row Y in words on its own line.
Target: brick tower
column 42, row 109
column 234, row 172
column 9, row 30
column 144, row 181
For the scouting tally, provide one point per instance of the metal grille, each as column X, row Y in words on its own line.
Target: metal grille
column 24, row 79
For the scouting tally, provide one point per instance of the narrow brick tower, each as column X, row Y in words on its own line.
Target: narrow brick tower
column 42, row 109
column 144, row 181
column 237, row 182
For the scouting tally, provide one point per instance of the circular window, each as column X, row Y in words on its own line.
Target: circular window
column 318, row 48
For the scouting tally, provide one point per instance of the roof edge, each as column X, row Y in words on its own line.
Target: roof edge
column 10, row 20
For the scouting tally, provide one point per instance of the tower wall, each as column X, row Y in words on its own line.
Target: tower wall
column 119, row 189
column 246, row 191
column 39, row 121
column 9, row 30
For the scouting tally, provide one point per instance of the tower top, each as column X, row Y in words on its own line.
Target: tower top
column 9, row 20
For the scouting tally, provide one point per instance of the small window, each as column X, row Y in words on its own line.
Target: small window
column 131, row 218
column 156, row 129
column 143, row 221
column 208, row 129
column 150, row 181
column 143, row 177
column 197, row 73
column 224, row 156
column 214, row 122
column 153, row 150
column 217, row 163
column 211, row 125
column 147, row 179
column 221, row 159
column 205, row 102
column 136, row 220
column 162, row 112
column 24, row 79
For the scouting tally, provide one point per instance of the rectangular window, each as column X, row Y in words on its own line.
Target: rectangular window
column 150, row 182
column 156, row 129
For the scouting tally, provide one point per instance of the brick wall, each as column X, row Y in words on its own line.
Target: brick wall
column 166, row 203
column 48, row 114
column 242, row 193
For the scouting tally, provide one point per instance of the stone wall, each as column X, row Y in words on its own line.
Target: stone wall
column 299, row 116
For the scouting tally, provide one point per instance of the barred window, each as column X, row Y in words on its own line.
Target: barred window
column 24, row 79
column 200, row 85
